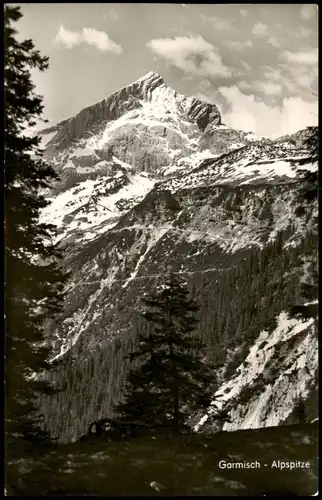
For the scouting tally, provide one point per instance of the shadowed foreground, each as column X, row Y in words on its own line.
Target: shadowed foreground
column 161, row 465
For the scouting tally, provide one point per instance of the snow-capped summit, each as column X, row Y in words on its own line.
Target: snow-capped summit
column 147, row 103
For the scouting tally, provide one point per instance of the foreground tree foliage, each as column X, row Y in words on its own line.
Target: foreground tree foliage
column 312, row 142
column 170, row 374
column 33, row 278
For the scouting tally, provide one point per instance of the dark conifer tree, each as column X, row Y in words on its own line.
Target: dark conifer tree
column 308, row 195
column 312, row 142
column 309, row 191
column 299, row 412
column 171, row 373
column 33, row 277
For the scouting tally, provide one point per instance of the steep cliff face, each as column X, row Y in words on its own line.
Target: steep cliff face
column 152, row 179
column 279, row 372
column 148, row 96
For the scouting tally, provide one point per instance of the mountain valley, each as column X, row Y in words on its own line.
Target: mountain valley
column 152, row 180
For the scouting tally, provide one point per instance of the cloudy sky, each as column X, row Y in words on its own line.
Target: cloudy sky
column 258, row 62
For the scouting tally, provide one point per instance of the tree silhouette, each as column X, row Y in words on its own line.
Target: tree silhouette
column 308, row 195
column 170, row 372
column 33, row 277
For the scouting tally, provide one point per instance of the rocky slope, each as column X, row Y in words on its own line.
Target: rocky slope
column 279, row 371
column 151, row 179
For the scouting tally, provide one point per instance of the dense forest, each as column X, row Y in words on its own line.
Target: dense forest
column 235, row 305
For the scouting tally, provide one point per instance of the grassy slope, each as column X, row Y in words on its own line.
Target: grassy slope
column 181, row 465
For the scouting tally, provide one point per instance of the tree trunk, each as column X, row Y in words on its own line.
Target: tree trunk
column 175, row 401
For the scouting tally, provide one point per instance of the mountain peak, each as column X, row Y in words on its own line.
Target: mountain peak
column 150, row 93
column 147, row 83
column 151, row 75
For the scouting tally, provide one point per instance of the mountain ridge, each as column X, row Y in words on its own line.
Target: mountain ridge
column 152, row 189
column 126, row 99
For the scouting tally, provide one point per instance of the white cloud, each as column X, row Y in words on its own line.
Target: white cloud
column 299, row 71
column 273, row 41
column 308, row 11
column 204, row 97
column 248, row 114
column 269, row 88
column 68, row 38
column 205, row 84
column 260, row 29
column 309, row 56
column 299, row 79
column 238, row 45
column 191, row 54
column 90, row 36
column 100, row 40
column 243, row 12
column 273, row 74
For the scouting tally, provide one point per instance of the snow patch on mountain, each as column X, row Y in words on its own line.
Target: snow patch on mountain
column 251, row 137
column 46, row 138
column 244, row 170
column 93, row 203
column 161, row 107
column 153, row 237
column 123, row 164
column 186, row 163
column 85, row 151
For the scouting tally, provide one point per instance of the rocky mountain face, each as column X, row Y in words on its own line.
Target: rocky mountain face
column 279, row 371
column 297, row 139
column 151, row 179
